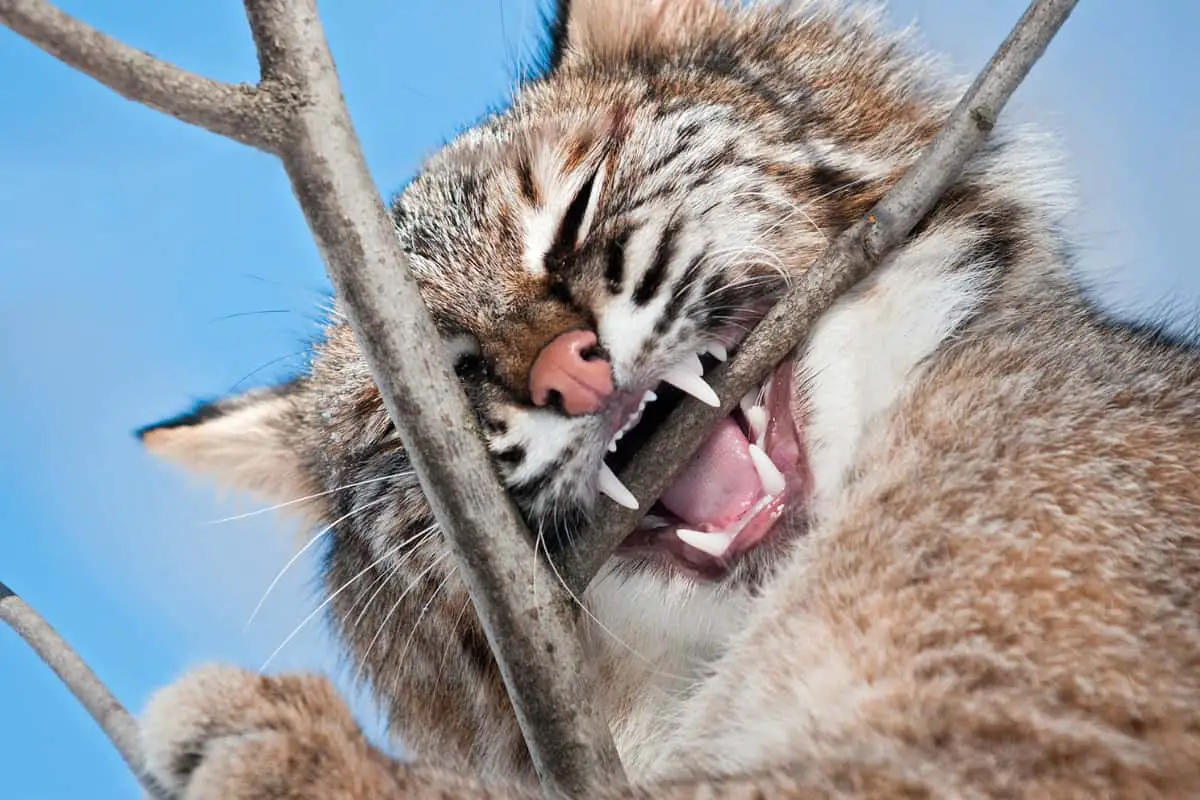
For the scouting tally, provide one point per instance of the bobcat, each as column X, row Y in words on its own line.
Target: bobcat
column 951, row 547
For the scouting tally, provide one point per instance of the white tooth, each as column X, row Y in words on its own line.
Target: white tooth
column 693, row 384
column 612, row 446
column 692, row 364
column 649, row 397
column 749, row 401
column 715, row 543
column 772, row 479
column 718, row 351
column 611, row 486
column 756, row 417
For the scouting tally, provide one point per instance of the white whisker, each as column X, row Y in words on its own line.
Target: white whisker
column 296, row 556
column 608, row 631
column 277, row 506
column 318, row 609
column 399, row 600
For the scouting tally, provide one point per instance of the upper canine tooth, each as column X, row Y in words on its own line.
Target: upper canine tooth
column 718, row 351
column 611, row 487
column 692, row 383
column 715, row 543
column 692, row 364
column 772, row 479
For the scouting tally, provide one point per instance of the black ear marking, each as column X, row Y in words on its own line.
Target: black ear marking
column 203, row 411
column 556, row 34
column 210, row 410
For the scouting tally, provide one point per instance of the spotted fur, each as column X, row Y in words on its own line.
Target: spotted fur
column 992, row 589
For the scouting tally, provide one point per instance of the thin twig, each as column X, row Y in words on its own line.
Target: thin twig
column 536, row 643
column 241, row 112
column 849, row 259
column 89, row 690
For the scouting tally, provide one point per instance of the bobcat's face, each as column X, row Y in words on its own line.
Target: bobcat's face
column 587, row 257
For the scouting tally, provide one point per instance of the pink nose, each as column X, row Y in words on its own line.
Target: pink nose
column 582, row 383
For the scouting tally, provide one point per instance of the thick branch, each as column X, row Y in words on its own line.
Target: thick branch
column 240, row 112
column 536, row 642
column 108, row 712
column 848, row 260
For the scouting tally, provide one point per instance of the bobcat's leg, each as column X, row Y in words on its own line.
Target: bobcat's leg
column 222, row 733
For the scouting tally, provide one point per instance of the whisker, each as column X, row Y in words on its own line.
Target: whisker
column 306, row 498
column 424, row 610
column 238, row 383
column 415, row 541
column 296, row 556
column 332, row 595
column 238, row 314
column 608, row 631
column 399, row 601
column 450, row 639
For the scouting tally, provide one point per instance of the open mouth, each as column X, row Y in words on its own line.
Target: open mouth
column 727, row 499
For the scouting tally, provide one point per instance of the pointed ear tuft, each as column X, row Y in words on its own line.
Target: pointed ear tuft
column 247, row 442
column 618, row 29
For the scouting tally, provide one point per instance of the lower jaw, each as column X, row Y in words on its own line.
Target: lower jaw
column 758, row 529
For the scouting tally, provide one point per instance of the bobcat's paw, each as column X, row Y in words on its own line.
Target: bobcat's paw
column 223, row 732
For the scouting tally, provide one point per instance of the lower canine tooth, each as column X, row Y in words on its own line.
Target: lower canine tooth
column 772, row 479
column 718, row 351
column 756, row 417
column 611, row 487
column 715, row 543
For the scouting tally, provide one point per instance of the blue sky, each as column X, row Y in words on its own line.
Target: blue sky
column 145, row 264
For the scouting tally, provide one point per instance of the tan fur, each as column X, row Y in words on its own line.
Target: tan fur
column 992, row 590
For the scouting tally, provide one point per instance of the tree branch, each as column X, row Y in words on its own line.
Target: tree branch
column 537, row 646
column 240, row 112
column 848, row 260
column 89, row 690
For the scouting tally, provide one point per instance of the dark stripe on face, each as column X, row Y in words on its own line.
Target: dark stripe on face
column 568, row 232
column 687, row 135
column 827, row 180
column 614, row 263
column 652, row 281
column 525, row 182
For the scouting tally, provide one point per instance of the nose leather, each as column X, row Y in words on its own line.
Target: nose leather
column 582, row 384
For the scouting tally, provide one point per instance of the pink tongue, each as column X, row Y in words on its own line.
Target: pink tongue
column 719, row 485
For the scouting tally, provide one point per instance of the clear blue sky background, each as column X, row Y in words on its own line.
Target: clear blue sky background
column 144, row 264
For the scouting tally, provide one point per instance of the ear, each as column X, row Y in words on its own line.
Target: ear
column 248, row 442
column 614, row 29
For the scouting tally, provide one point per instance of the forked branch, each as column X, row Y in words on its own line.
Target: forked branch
column 238, row 111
